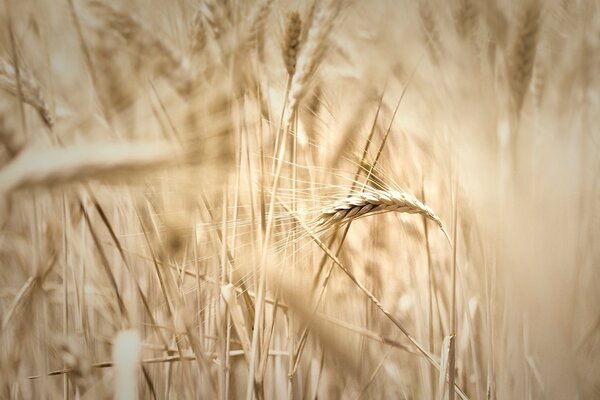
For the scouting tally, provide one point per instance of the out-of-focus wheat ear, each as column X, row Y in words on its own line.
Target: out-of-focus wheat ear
column 291, row 43
column 588, row 54
column 216, row 16
column 164, row 59
column 258, row 22
column 78, row 366
column 465, row 18
column 261, row 32
column 115, row 89
column 430, row 32
column 522, row 53
column 311, row 53
column 496, row 24
column 30, row 89
column 540, row 72
column 198, row 38
column 9, row 138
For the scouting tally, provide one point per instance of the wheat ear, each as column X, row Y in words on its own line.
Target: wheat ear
column 311, row 53
column 215, row 16
column 465, row 18
column 430, row 32
column 8, row 138
column 167, row 60
column 523, row 51
column 291, row 42
column 30, row 89
column 198, row 34
column 371, row 202
column 258, row 21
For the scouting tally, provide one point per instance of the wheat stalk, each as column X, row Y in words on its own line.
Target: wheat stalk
column 30, row 89
column 371, row 202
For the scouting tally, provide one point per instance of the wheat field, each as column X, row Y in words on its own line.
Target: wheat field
column 320, row 199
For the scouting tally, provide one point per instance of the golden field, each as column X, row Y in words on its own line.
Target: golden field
column 299, row 199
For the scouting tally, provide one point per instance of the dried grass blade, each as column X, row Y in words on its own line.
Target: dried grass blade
column 447, row 349
column 237, row 316
column 55, row 166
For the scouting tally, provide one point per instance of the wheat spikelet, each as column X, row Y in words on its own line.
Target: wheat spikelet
column 522, row 55
column 374, row 201
column 30, row 89
column 261, row 31
column 311, row 53
column 231, row 40
column 291, row 42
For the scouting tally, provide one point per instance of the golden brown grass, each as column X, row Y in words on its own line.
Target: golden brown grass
column 241, row 199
